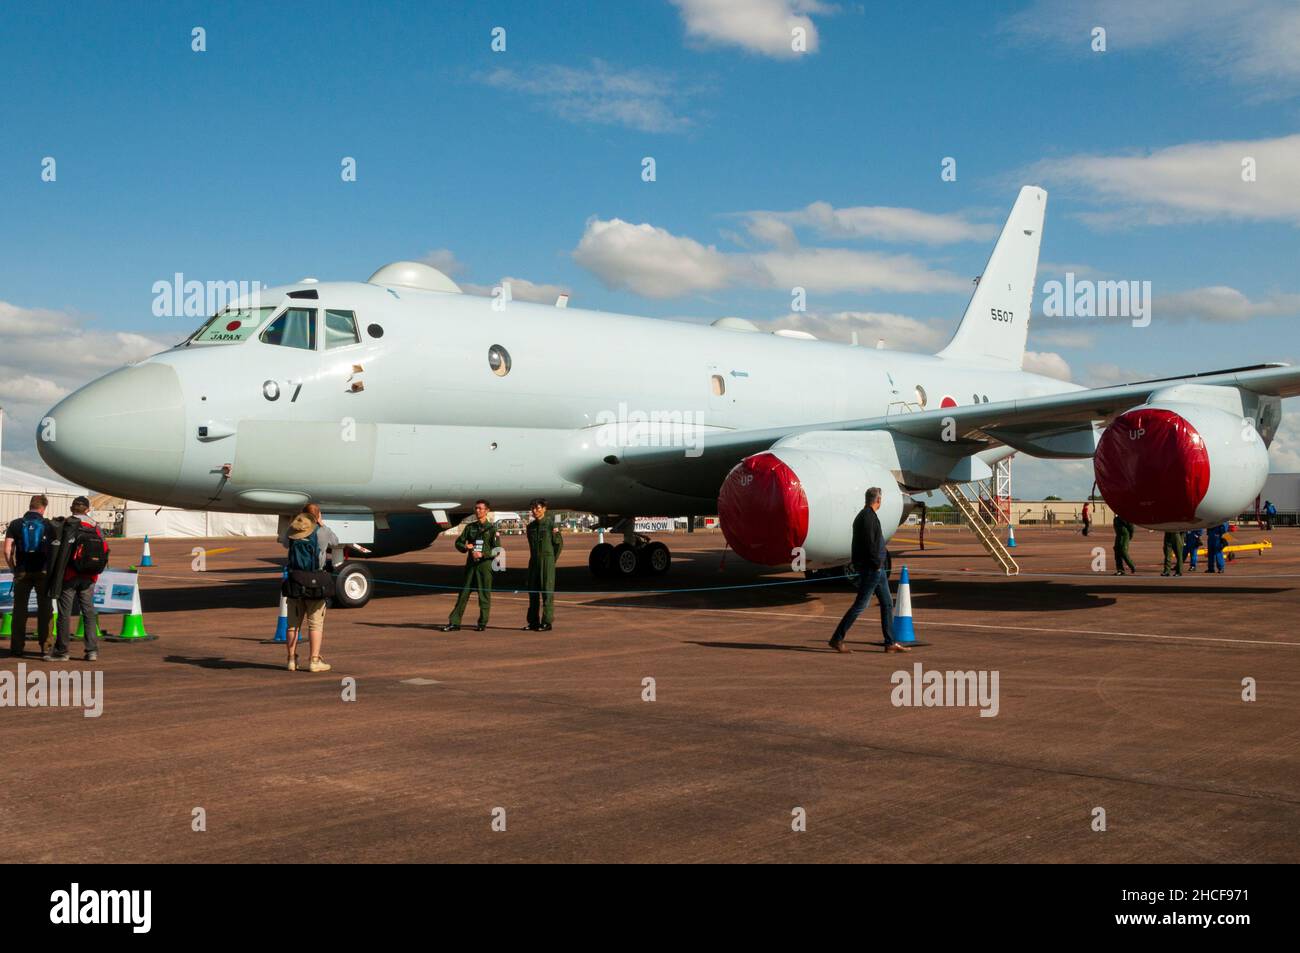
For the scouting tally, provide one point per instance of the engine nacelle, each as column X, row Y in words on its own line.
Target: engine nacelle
column 1170, row 465
column 787, row 498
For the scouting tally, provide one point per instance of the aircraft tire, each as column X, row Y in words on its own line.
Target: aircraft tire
column 657, row 558
column 601, row 560
column 627, row 561
column 353, row 586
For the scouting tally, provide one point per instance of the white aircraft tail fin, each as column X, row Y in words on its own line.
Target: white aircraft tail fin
column 996, row 323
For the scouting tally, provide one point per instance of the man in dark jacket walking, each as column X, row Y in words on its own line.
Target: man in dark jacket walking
column 871, row 562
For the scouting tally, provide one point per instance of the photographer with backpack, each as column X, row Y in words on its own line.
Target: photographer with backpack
column 27, row 553
column 83, row 554
column 307, row 587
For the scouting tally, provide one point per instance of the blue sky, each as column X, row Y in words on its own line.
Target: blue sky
column 225, row 165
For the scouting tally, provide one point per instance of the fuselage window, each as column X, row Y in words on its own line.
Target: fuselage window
column 340, row 329
column 295, row 328
column 499, row 360
column 718, row 384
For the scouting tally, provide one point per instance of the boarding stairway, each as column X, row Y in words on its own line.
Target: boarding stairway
column 978, row 512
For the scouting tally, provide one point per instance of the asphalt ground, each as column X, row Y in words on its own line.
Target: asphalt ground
column 1120, row 694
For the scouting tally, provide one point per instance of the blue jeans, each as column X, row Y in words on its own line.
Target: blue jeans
column 869, row 583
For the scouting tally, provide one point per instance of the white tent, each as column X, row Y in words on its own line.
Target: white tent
column 18, row 487
column 161, row 522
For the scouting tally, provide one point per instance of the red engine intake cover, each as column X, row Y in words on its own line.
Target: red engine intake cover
column 764, row 510
column 1152, row 467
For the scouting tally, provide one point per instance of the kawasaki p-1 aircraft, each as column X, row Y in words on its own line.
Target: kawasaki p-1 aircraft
column 395, row 403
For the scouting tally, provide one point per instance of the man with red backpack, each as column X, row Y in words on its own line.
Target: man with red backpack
column 27, row 553
column 83, row 556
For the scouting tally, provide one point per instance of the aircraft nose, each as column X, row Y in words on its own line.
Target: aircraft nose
column 122, row 434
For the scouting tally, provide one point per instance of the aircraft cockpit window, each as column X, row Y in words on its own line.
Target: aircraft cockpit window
column 340, row 329
column 295, row 328
column 230, row 326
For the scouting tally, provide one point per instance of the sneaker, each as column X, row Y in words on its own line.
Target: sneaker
column 318, row 664
column 545, row 627
column 481, row 627
column 293, row 664
column 896, row 647
column 92, row 656
column 450, row 627
column 53, row 657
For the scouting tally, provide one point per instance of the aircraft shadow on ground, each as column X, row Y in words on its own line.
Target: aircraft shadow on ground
column 823, row 648
column 212, row 661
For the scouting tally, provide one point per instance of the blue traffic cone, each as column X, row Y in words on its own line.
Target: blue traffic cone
column 282, row 624
column 147, row 559
column 902, row 624
column 1011, row 536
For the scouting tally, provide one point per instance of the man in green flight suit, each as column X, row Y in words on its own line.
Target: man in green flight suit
column 477, row 541
column 545, row 543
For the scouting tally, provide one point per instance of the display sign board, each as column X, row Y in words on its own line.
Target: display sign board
column 114, row 592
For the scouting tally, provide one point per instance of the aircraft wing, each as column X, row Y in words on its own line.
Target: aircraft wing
column 976, row 424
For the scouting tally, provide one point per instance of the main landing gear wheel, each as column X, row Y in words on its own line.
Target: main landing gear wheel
column 353, row 585
column 657, row 558
column 601, row 560
column 626, row 561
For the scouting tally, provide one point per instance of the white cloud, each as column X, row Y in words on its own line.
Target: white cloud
column 1052, row 269
column 654, row 263
column 1284, row 453
column 843, row 269
column 1063, row 338
column 27, row 388
column 898, row 331
column 1198, row 181
column 521, row 289
column 445, row 260
column 884, row 223
column 650, row 261
column 759, row 26
column 48, row 354
column 1222, row 304
column 1047, row 363
column 1107, row 375
column 639, row 99
column 1256, row 43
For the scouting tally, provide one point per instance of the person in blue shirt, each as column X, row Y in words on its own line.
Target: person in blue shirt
column 1214, row 561
column 1191, row 543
